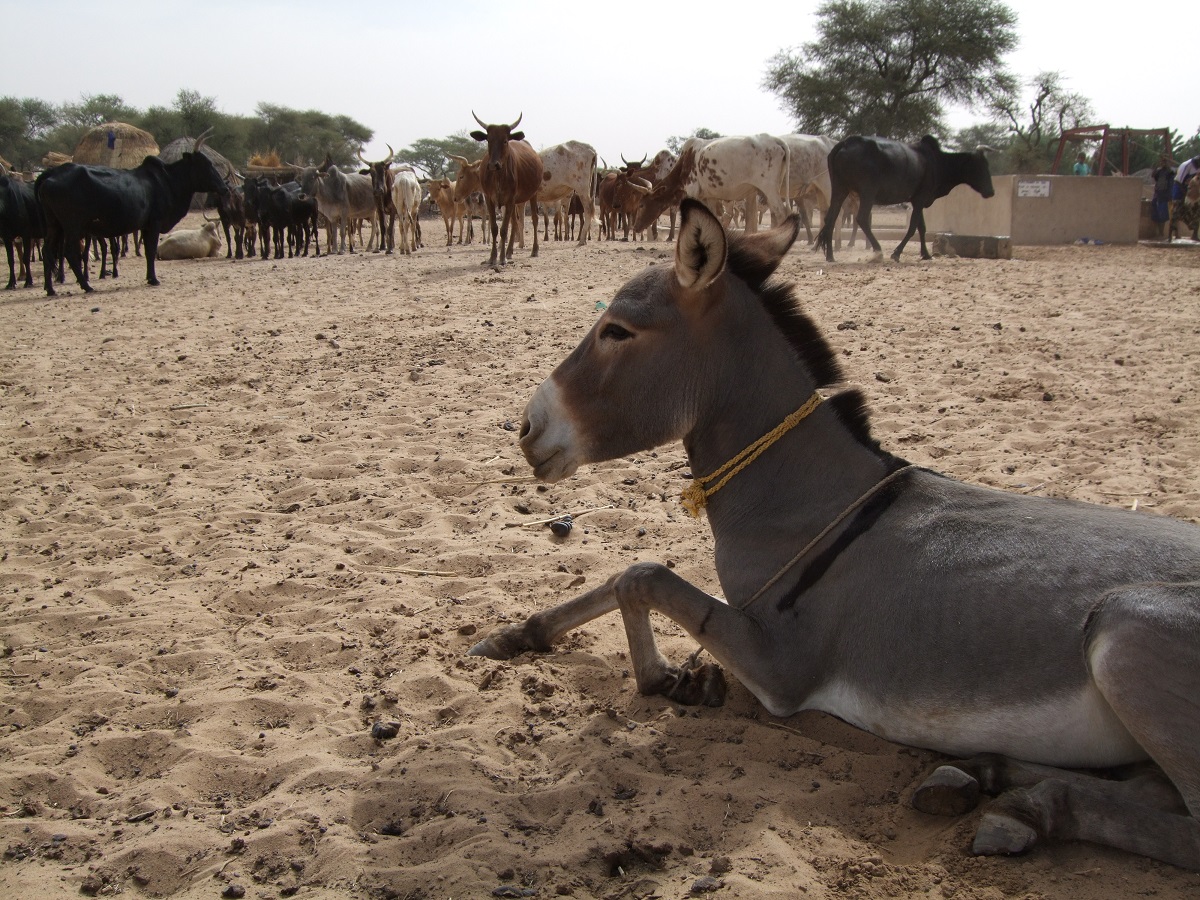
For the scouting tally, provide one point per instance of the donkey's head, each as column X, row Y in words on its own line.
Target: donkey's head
column 660, row 357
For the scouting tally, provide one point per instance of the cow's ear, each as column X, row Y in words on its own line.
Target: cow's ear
column 479, row 135
column 702, row 247
column 517, row 136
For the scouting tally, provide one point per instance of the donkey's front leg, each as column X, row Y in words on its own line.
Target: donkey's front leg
column 734, row 639
column 542, row 629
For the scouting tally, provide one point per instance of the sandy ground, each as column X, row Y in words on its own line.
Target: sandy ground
column 251, row 514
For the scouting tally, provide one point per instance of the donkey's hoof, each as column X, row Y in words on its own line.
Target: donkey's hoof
column 700, row 686
column 1000, row 834
column 949, row 791
column 510, row 641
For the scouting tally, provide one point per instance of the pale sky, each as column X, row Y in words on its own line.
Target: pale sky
column 623, row 77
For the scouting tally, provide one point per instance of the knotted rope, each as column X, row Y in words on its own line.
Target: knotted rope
column 695, row 496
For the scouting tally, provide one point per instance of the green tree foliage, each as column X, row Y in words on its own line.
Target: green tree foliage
column 1036, row 121
column 431, row 156
column 676, row 141
column 24, row 126
column 1185, row 149
column 305, row 137
column 30, row 128
column 890, row 67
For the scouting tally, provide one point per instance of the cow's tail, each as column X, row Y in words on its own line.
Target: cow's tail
column 785, row 180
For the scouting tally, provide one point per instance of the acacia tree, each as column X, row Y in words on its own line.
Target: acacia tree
column 890, row 67
column 1035, row 127
column 432, row 156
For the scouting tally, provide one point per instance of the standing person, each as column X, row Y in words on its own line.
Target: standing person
column 1183, row 176
column 1160, row 205
column 1081, row 167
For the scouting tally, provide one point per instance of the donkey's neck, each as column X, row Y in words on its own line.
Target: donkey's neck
column 785, row 498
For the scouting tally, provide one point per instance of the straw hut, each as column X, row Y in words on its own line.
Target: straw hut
column 116, row 145
column 174, row 151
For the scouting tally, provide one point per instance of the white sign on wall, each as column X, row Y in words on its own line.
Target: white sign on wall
column 1033, row 188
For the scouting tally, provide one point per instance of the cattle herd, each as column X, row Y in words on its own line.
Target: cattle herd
column 281, row 210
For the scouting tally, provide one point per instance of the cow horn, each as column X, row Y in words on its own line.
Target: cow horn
column 643, row 162
column 362, row 158
column 640, row 185
column 391, row 153
column 206, row 218
column 479, row 120
column 516, row 123
column 200, row 140
column 624, row 160
column 984, row 148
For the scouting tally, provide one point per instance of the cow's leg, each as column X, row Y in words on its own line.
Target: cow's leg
column 73, row 250
column 150, row 246
column 12, row 268
column 27, row 243
column 508, row 233
column 915, row 221
column 521, row 218
column 491, row 214
column 114, row 246
column 51, row 250
column 825, row 235
column 864, row 222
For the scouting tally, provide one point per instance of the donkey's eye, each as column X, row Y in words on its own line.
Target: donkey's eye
column 614, row 332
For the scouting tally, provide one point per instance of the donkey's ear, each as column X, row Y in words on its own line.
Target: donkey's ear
column 754, row 257
column 702, row 247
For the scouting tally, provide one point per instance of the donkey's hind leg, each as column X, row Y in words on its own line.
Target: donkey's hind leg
column 1143, row 653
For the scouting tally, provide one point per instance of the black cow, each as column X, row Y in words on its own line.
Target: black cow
column 884, row 171
column 382, row 179
column 231, row 208
column 20, row 219
column 283, row 211
column 96, row 201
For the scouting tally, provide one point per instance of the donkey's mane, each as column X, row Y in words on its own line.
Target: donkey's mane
column 779, row 300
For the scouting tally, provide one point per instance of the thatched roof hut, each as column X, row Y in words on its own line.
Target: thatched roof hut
column 174, row 151
column 116, row 145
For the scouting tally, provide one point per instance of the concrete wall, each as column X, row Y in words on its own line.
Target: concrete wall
column 1044, row 209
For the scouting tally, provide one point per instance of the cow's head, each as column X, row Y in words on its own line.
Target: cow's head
column 468, row 177
column 497, row 138
column 201, row 173
column 978, row 174
column 379, row 172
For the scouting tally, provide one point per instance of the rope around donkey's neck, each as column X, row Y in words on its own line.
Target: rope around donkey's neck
column 695, row 496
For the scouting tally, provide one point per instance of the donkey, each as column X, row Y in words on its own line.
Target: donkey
column 1028, row 634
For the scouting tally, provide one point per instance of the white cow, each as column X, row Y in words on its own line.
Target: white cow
column 406, row 196
column 567, row 169
column 191, row 243
column 725, row 169
column 342, row 200
column 808, row 173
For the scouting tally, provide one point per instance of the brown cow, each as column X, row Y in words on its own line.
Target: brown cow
column 510, row 177
column 442, row 192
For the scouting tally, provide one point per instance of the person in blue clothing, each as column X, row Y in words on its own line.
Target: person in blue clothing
column 1185, row 174
column 1081, row 167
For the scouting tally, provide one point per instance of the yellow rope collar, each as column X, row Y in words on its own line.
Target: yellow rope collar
column 695, row 496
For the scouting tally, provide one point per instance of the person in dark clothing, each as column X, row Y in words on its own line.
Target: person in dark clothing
column 1160, row 206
